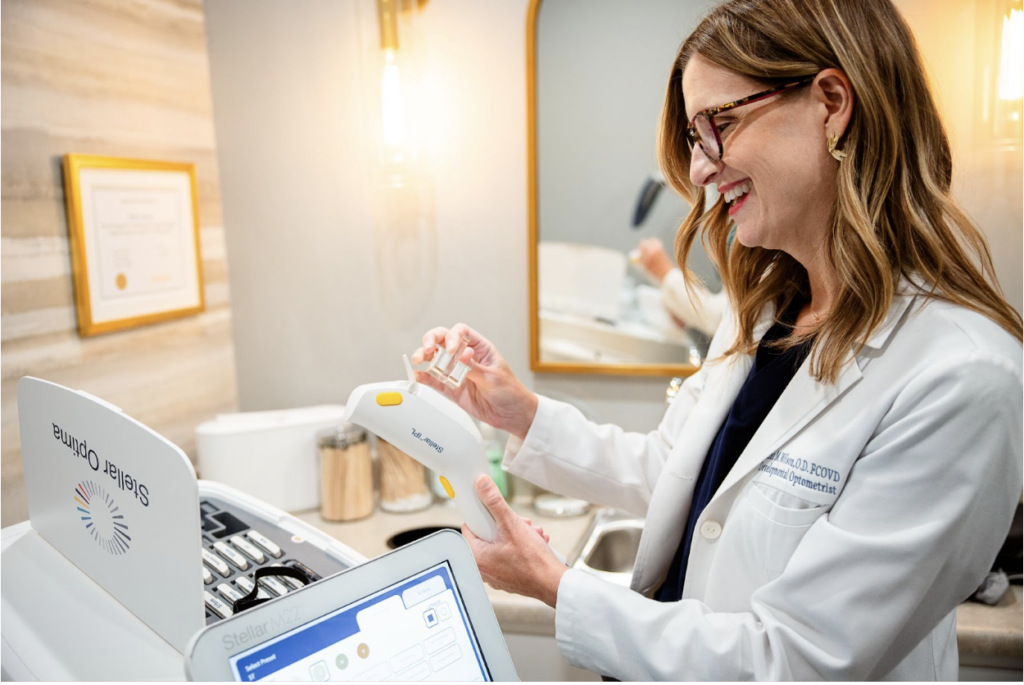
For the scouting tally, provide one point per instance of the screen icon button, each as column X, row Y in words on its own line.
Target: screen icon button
column 318, row 672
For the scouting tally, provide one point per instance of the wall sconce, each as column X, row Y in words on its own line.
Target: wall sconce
column 1010, row 93
column 1001, row 25
column 1011, row 62
column 402, row 193
column 399, row 61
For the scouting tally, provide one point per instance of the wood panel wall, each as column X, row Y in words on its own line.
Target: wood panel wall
column 125, row 78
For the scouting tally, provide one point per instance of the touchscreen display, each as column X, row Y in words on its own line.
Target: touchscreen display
column 414, row 630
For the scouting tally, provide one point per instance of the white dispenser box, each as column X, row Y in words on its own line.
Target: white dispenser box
column 270, row 455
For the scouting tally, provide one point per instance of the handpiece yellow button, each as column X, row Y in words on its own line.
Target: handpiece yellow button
column 447, row 486
column 389, row 399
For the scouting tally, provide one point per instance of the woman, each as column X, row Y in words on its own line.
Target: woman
column 823, row 493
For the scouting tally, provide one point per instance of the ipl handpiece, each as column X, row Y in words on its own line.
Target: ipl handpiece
column 434, row 431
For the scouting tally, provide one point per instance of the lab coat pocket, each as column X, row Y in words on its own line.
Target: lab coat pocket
column 781, row 528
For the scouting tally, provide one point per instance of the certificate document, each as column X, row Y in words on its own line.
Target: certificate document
column 135, row 247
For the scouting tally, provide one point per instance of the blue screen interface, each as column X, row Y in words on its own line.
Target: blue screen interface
column 415, row 630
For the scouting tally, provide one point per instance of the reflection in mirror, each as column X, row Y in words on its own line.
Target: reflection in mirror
column 597, row 76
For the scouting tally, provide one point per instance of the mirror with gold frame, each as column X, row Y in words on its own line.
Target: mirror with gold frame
column 596, row 77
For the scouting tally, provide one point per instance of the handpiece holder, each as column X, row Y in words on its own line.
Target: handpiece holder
column 434, row 431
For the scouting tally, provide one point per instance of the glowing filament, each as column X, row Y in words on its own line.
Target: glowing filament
column 391, row 102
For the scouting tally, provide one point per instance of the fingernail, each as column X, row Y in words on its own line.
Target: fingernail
column 484, row 485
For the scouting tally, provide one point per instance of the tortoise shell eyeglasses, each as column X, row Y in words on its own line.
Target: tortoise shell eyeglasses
column 702, row 129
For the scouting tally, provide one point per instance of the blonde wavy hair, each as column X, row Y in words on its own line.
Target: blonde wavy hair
column 893, row 216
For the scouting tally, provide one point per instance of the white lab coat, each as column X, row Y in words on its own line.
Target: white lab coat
column 839, row 545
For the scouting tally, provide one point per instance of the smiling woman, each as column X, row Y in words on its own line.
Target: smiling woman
column 859, row 419
column 774, row 168
column 840, row 234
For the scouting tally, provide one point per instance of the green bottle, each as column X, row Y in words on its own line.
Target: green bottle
column 494, row 448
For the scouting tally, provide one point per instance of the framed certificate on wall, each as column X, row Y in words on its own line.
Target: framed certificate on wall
column 133, row 229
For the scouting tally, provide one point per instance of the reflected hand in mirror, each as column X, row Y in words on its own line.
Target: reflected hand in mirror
column 654, row 259
column 700, row 309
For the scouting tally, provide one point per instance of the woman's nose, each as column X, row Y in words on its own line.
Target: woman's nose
column 702, row 169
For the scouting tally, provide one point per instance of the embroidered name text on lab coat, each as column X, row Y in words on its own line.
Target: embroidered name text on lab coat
column 800, row 472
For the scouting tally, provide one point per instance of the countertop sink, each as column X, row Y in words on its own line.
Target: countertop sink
column 609, row 548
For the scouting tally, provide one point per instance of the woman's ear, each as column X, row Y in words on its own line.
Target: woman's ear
column 832, row 88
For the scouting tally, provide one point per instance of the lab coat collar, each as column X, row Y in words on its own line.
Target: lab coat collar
column 905, row 294
column 805, row 397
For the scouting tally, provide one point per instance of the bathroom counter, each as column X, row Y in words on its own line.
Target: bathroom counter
column 988, row 636
column 992, row 635
column 515, row 614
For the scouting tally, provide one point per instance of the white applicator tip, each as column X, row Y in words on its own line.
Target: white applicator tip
column 413, row 385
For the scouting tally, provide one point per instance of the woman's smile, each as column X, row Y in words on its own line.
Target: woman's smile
column 737, row 201
column 735, row 194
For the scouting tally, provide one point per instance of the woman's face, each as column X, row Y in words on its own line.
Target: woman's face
column 777, row 148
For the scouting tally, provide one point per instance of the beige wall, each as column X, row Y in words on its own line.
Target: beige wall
column 125, row 79
column 955, row 38
column 321, row 301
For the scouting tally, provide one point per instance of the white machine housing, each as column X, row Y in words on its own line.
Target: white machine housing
column 80, row 608
column 118, row 500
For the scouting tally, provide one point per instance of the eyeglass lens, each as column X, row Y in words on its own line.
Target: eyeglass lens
column 708, row 139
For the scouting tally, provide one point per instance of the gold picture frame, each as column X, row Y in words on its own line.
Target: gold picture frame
column 133, row 232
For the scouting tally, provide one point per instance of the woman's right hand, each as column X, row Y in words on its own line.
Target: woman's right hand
column 490, row 391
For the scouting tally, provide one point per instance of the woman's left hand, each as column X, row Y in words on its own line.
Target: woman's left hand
column 519, row 559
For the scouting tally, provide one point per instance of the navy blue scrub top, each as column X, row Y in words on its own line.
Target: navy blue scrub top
column 771, row 373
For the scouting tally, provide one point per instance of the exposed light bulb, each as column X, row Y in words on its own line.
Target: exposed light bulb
column 392, row 115
column 1011, row 62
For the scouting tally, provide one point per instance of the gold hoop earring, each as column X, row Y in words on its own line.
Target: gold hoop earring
column 833, row 139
